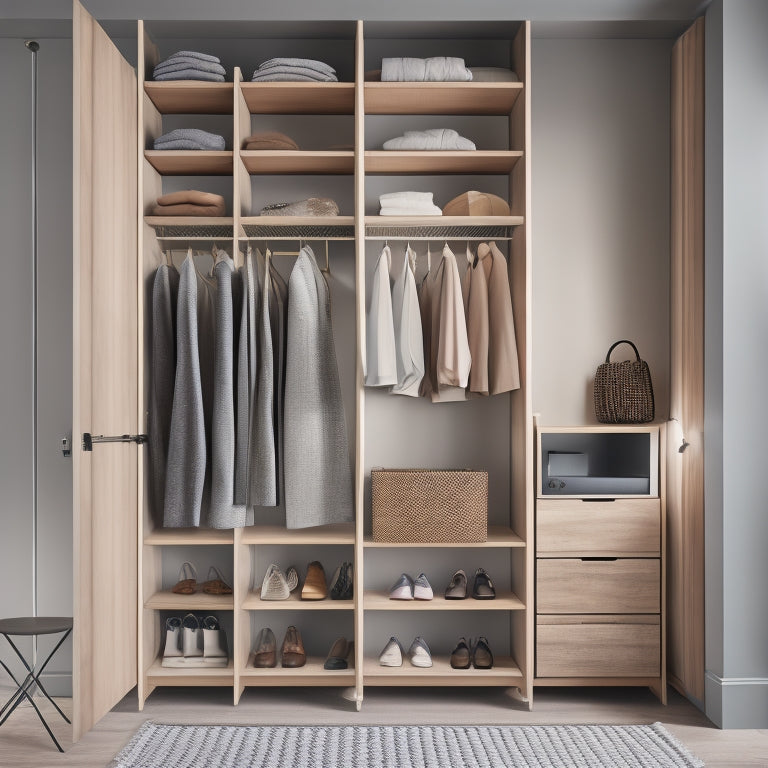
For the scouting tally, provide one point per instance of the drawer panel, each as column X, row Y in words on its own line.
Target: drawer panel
column 581, row 646
column 621, row 526
column 626, row 585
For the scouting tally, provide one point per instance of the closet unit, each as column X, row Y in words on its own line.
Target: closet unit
column 127, row 561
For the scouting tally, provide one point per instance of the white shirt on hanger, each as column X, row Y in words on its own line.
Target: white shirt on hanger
column 381, row 368
column 409, row 343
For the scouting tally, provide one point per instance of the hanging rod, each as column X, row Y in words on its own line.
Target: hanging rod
column 437, row 238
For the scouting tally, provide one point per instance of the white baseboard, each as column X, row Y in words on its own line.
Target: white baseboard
column 736, row 702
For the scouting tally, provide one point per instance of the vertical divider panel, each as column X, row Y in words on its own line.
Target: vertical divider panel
column 241, row 199
column 360, row 334
column 241, row 640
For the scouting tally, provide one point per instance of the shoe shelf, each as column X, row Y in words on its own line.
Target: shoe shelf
column 202, row 676
column 298, row 162
column 253, row 602
column 440, row 98
column 190, row 97
column 162, row 537
column 374, row 600
column 190, row 162
column 504, row 672
column 166, row 600
column 299, row 98
column 498, row 536
column 438, row 162
column 312, row 673
column 343, row 533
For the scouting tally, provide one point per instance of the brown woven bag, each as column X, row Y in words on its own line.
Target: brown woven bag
column 429, row 506
column 623, row 391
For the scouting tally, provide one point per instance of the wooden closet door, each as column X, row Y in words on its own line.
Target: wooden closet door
column 105, row 366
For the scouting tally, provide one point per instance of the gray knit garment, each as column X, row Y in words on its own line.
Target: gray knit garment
column 261, row 472
column 190, row 74
column 165, row 289
column 318, row 475
column 287, row 61
column 183, row 62
column 189, row 138
column 278, row 310
column 290, row 74
column 242, row 421
column 185, row 476
column 194, row 55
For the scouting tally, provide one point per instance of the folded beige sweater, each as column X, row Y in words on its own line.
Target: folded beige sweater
column 189, row 209
column 269, row 140
column 191, row 196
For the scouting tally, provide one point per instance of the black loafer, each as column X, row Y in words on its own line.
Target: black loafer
column 482, row 588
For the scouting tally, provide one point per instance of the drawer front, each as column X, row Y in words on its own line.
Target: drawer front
column 573, row 526
column 631, row 649
column 598, row 586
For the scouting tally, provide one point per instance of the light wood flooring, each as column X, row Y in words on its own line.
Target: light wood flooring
column 23, row 742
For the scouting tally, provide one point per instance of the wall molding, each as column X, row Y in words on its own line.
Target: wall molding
column 744, row 700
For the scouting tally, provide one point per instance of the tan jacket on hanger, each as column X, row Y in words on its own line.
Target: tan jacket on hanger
column 474, row 288
column 503, row 367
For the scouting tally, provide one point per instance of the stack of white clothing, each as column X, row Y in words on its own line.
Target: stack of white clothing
column 408, row 204
column 289, row 70
column 440, row 69
column 190, row 65
column 432, row 139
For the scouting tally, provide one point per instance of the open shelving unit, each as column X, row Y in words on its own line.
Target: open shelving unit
column 511, row 533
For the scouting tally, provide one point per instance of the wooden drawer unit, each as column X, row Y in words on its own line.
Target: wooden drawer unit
column 582, row 585
column 613, row 527
column 598, row 646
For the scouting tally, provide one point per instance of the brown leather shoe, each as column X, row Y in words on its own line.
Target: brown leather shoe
column 265, row 650
column 315, row 586
column 460, row 656
column 292, row 653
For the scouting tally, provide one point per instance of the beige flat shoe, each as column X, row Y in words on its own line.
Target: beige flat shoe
column 315, row 585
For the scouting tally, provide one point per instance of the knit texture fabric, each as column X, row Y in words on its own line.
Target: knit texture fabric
column 190, row 65
column 191, row 74
column 189, row 138
column 432, row 139
column 435, row 69
column 287, row 69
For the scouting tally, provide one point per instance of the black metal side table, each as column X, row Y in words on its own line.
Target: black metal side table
column 29, row 626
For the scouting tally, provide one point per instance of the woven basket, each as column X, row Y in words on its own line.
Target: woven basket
column 623, row 391
column 429, row 506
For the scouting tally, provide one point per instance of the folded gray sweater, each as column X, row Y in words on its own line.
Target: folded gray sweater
column 189, row 138
column 435, row 69
column 194, row 55
column 320, row 66
column 175, row 65
column 191, row 74
column 288, row 74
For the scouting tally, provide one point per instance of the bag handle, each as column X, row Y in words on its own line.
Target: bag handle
column 616, row 344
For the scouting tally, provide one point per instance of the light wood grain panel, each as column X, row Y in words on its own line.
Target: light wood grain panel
column 629, row 649
column 441, row 98
column 686, row 471
column 619, row 527
column 165, row 600
column 438, row 162
column 340, row 533
column 445, row 221
column 190, row 97
column 300, row 98
column 598, row 586
column 311, row 674
column 298, row 162
column 253, row 602
column 505, row 671
column 158, row 675
column 498, row 536
column 105, row 368
column 183, row 162
column 377, row 600
column 241, row 641
column 242, row 200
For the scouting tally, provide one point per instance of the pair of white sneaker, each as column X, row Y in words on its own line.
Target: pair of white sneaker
column 192, row 643
column 418, row 654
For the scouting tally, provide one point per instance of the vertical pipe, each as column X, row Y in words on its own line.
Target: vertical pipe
column 34, row 47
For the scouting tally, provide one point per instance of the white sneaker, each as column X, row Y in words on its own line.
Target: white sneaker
column 392, row 655
column 192, row 637
column 419, row 653
column 214, row 643
column 172, row 654
column 422, row 589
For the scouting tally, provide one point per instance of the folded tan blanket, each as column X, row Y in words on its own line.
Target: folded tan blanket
column 476, row 204
column 192, row 196
column 269, row 140
column 188, row 209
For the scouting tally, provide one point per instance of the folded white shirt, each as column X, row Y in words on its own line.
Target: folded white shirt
column 410, row 197
column 406, row 210
column 431, row 139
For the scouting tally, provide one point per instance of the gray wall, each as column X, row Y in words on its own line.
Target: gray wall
column 736, row 329
column 55, row 338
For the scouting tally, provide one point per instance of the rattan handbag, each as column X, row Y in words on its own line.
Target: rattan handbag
column 623, row 391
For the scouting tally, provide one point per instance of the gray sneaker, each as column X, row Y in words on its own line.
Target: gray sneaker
column 419, row 653
column 392, row 655
column 422, row 589
column 402, row 589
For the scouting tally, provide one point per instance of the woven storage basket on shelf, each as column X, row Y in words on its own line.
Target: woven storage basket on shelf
column 429, row 506
column 623, row 391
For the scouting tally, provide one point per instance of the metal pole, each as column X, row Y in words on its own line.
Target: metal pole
column 34, row 47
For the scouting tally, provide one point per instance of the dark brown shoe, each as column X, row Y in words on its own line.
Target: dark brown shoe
column 292, row 653
column 337, row 656
column 482, row 657
column 461, row 658
column 315, row 586
column 265, row 650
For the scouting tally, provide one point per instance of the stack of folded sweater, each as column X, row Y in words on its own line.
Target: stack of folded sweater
column 437, row 69
column 288, row 70
column 189, row 138
column 190, row 65
column 433, row 138
column 408, row 204
column 269, row 140
column 189, row 202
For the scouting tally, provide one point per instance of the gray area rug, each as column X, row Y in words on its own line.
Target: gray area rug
column 403, row 746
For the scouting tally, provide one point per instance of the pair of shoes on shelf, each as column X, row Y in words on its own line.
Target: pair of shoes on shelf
column 339, row 653
column 418, row 654
column 477, row 654
column 277, row 585
column 187, row 583
column 292, row 652
column 406, row 588
column 482, row 588
column 343, row 583
column 190, row 642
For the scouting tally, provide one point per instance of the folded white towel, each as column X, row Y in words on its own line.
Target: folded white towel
column 440, row 69
column 411, row 197
column 406, row 210
column 431, row 139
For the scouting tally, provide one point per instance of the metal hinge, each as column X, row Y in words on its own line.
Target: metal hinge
column 89, row 439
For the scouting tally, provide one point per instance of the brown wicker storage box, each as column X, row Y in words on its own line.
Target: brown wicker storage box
column 429, row 506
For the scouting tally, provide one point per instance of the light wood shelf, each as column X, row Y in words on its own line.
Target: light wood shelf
column 191, row 227
column 289, row 161
column 312, row 673
column 190, row 97
column 253, row 602
column 190, row 162
column 441, row 98
column 194, row 676
column 163, row 537
column 504, row 672
column 376, row 600
column 166, row 600
column 342, row 533
column 439, row 162
column 299, row 227
column 498, row 536
column 299, row 98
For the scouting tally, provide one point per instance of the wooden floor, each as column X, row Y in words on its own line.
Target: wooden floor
column 23, row 742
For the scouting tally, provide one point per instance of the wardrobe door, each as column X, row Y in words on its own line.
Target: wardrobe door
column 105, row 391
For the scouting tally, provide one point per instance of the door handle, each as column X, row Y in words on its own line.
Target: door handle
column 90, row 440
